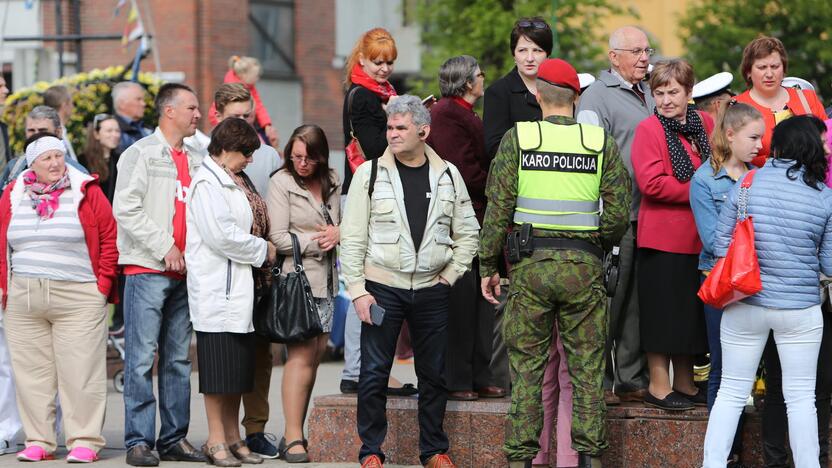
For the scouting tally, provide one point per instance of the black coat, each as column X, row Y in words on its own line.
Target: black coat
column 7, row 156
column 369, row 121
column 507, row 101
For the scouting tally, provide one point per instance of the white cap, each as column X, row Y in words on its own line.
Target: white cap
column 712, row 85
column 799, row 83
column 42, row 145
column 585, row 79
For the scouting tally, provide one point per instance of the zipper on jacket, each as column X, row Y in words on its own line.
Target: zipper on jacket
column 228, row 281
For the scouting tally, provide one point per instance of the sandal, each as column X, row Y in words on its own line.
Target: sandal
column 283, row 451
column 229, row 460
column 250, row 458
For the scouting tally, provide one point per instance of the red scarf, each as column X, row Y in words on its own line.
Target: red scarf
column 383, row 91
column 462, row 102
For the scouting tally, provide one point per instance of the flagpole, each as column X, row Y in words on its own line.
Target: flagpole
column 154, row 49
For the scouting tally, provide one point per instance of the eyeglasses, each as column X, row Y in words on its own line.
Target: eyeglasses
column 481, row 74
column 637, row 52
column 305, row 160
column 532, row 24
column 96, row 121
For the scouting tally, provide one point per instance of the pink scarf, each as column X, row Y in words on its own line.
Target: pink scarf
column 44, row 196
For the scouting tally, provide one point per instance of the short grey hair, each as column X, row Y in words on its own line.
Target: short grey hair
column 455, row 74
column 617, row 38
column 120, row 88
column 45, row 113
column 409, row 104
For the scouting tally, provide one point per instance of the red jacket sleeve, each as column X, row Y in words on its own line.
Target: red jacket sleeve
column 107, row 250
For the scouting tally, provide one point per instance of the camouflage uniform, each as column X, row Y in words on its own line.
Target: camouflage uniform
column 562, row 285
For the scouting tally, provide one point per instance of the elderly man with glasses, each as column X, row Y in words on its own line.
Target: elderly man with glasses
column 618, row 101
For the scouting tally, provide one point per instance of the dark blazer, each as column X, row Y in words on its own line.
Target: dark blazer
column 507, row 101
column 456, row 134
column 370, row 124
column 7, row 156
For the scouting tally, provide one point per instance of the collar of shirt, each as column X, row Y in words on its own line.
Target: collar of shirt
column 626, row 83
column 561, row 120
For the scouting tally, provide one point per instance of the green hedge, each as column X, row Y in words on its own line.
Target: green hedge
column 91, row 96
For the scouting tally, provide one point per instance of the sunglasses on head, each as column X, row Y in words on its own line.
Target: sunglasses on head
column 532, row 24
column 96, row 121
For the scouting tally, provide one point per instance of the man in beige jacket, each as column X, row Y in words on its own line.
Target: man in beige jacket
column 409, row 232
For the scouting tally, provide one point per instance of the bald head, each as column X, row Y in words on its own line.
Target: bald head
column 628, row 53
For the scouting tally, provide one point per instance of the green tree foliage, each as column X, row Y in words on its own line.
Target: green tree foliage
column 716, row 31
column 481, row 28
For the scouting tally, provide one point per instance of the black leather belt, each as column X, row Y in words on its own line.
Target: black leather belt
column 554, row 243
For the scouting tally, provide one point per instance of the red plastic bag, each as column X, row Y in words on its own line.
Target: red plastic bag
column 737, row 275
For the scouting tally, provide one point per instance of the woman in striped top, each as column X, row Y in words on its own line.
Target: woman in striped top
column 57, row 272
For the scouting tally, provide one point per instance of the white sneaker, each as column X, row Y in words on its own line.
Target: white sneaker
column 6, row 447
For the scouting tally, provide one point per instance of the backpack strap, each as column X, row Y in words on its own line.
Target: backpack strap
column 373, row 174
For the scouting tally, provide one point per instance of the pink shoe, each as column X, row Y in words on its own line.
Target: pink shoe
column 34, row 453
column 81, row 455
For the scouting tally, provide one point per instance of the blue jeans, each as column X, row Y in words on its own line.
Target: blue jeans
column 156, row 317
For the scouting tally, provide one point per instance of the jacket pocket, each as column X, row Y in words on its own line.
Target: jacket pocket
column 446, row 200
column 228, row 281
column 719, row 198
column 441, row 253
column 385, row 248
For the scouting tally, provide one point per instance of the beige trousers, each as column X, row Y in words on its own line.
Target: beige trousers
column 57, row 339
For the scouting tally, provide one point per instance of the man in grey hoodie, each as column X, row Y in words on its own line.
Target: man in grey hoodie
column 618, row 101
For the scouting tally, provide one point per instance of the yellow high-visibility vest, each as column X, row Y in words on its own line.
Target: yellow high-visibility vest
column 559, row 175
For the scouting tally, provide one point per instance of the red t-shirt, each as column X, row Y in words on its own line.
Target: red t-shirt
column 183, row 182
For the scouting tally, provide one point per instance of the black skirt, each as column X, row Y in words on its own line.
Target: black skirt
column 671, row 319
column 226, row 362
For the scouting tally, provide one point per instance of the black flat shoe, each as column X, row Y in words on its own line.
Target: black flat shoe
column 407, row 389
column 183, row 451
column 700, row 399
column 349, row 386
column 674, row 401
column 141, row 455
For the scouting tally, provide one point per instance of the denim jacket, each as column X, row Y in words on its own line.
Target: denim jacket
column 707, row 194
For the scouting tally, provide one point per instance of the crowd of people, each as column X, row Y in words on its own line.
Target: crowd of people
column 551, row 250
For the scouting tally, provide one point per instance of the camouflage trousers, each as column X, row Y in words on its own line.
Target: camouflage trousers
column 571, row 292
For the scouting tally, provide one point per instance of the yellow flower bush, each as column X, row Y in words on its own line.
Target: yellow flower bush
column 90, row 95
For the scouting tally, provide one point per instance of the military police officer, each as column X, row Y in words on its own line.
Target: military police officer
column 563, row 190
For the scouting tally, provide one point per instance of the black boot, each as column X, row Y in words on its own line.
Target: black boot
column 586, row 460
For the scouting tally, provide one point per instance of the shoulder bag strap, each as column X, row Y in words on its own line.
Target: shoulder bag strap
column 349, row 109
column 742, row 201
column 296, row 257
column 802, row 96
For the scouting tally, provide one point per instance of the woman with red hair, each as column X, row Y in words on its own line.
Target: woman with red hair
column 368, row 90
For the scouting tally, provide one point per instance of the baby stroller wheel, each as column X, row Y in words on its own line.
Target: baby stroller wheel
column 118, row 381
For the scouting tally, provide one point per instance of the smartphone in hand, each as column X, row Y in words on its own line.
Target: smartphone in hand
column 376, row 314
column 429, row 101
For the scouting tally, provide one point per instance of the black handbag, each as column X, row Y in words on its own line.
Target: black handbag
column 288, row 313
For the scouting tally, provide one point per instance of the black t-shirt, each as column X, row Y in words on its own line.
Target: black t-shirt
column 416, row 186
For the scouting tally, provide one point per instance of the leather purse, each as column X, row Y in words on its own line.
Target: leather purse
column 289, row 313
column 355, row 155
column 737, row 275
